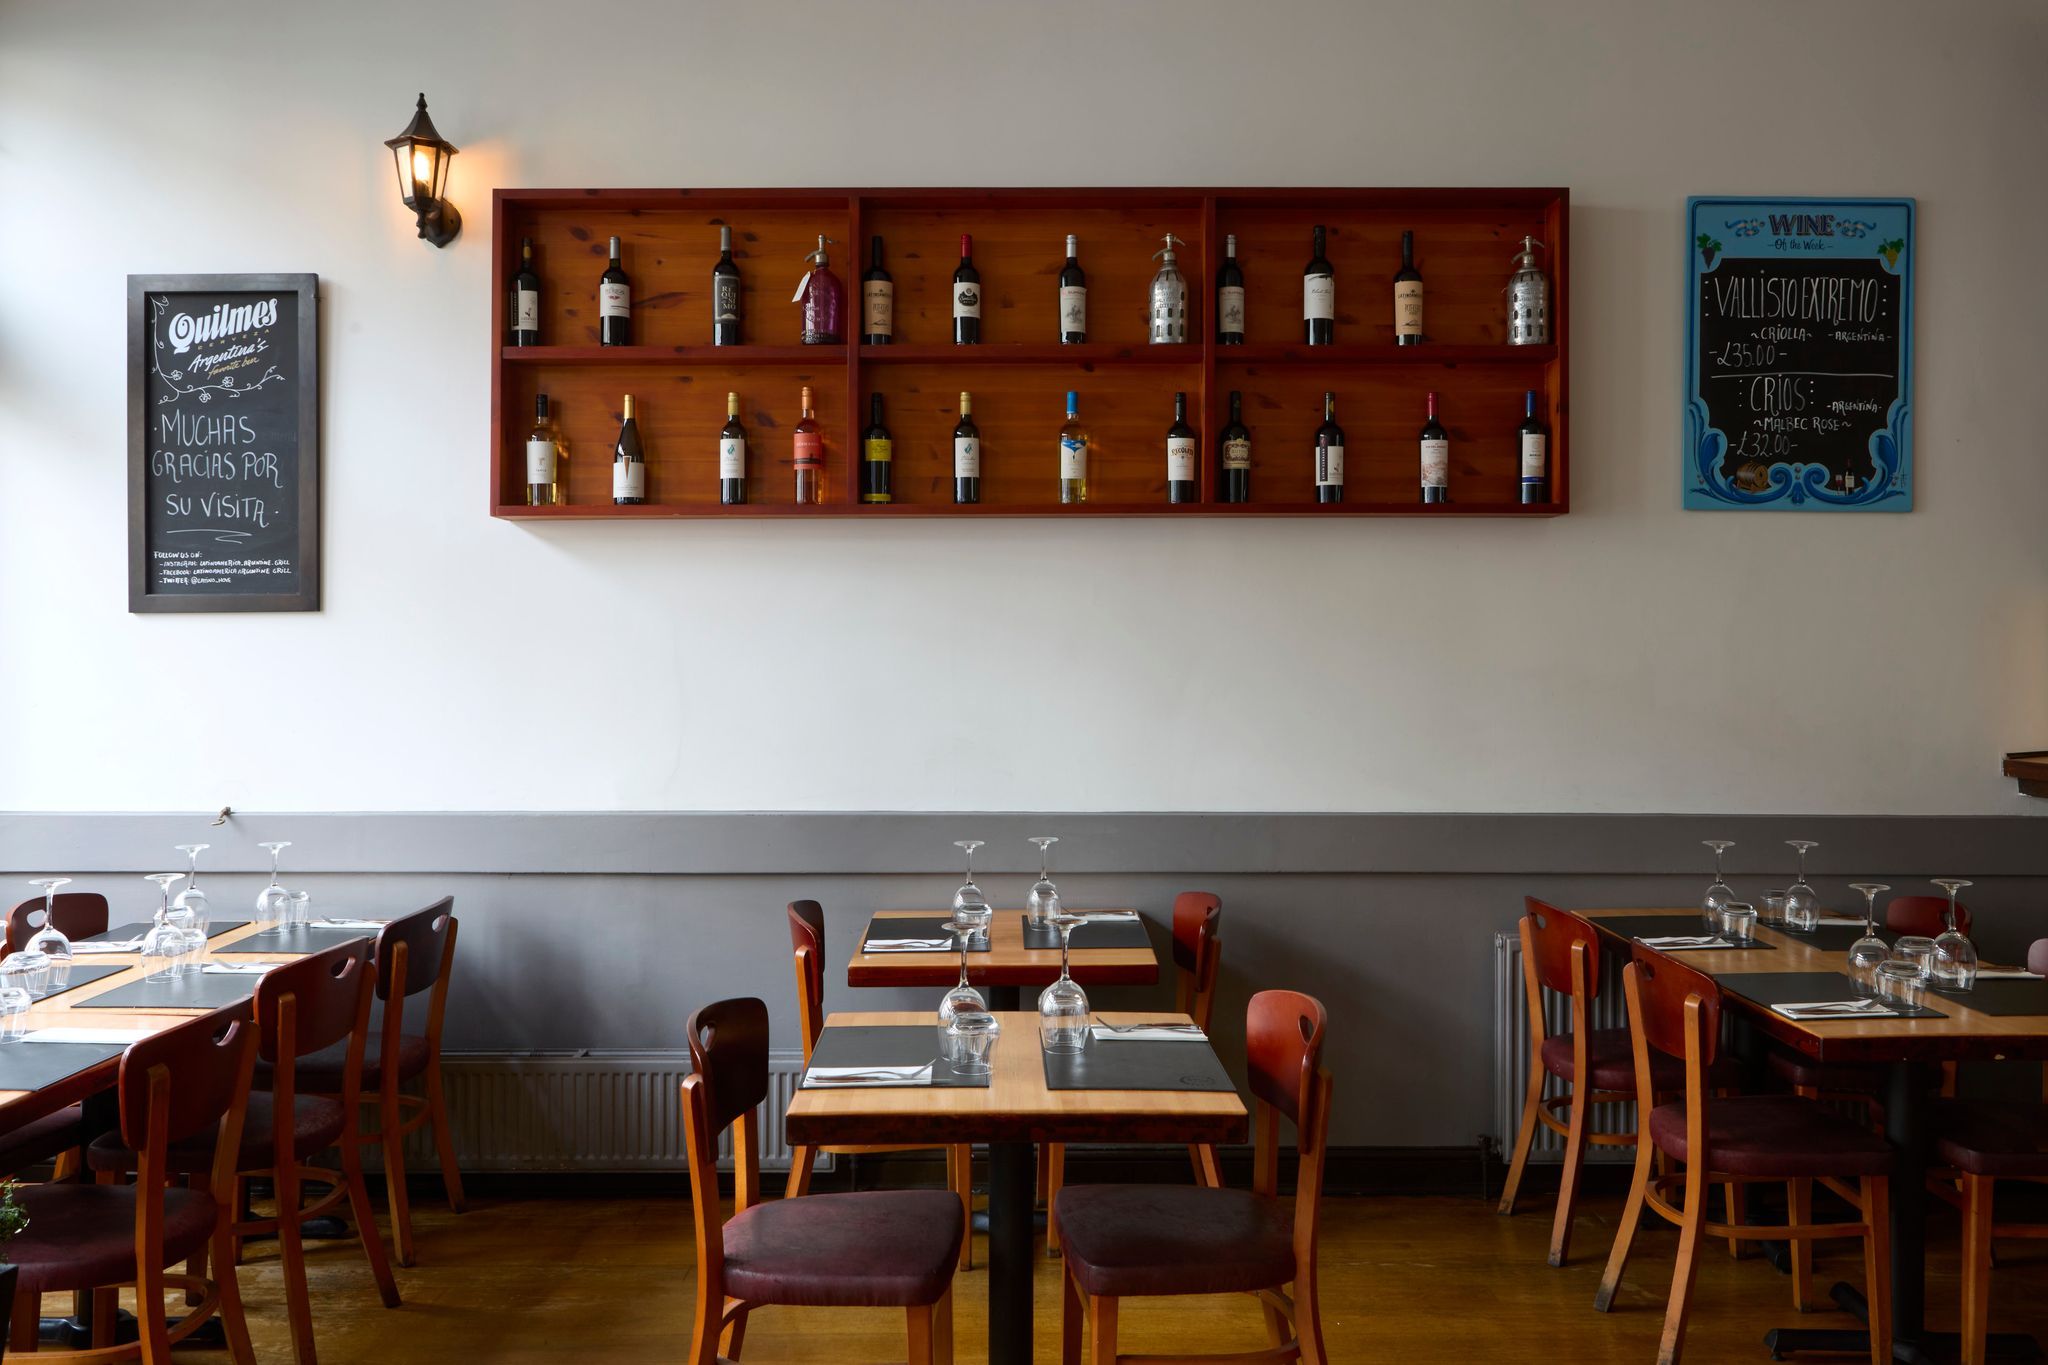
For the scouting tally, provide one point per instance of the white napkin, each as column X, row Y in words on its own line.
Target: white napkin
column 1836, row 1009
column 336, row 923
column 2005, row 974
column 1680, row 942
column 118, row 945
column 848, row 1077
column 1839, row 921
column 122, row 1036
column 1094, row 916
column 909, row 945
column 1164, row 1033
column 237, row 968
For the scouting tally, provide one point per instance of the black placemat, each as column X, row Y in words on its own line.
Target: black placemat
column 1137, row 1065
column 906, row 927
column 1668, row 926
column 1803, row 988
column 82, row 974
column 1112, row 933
column 31, row 1066
column 186, row 991
column 214, row 929
column 299, row 939
column 890, row 1045
column 1831, row 938
column 2002, row 996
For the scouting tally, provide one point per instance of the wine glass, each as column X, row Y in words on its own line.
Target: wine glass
column 49, row 940
column 270, row 900
column 969, row 1037
column 1866, row 952
column 1954, row 964
column 1802, row 902
column 1063, row 1006
column 190, row 898
column 968, row 902
column 1044, row 901
column 1720, row 894
column 963, row 998
column 164, row 944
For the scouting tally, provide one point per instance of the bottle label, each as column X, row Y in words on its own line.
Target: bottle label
column 1319, row 297
column 526, row 310
column 725, row 298
column 629, row 479
column 1436, row 464
column 966, row 457
column 1237, row 453
column 732, row 457
column 1180, row 459
column 614, row 300
column 1074, row 308
column 1535, row 456
column 1230, row 308
column 1073, row 458
column 810, row 450
column 1329, row 465
column 876, row 451
column 1408, row 308
column 540, row 461
column 878, row 308
column 966, row 299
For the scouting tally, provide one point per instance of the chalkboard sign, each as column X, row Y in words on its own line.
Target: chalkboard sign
column 223, row 443
column 1799, row 354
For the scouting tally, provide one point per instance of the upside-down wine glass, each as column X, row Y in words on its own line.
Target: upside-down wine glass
column 49, row 940
column 1044, row 901
column 1802, row 902
column 1720, row 894
column 1954, row 965
column 963, row 998
column 1867, row 952
column 968, row 902
column 189, row 909
column 1063, row 1006
column 270, row 900
column 164, row 944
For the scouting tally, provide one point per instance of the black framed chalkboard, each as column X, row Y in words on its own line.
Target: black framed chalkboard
column 223, row 443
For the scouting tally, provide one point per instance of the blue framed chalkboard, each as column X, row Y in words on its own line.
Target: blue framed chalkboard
column 1799, row 354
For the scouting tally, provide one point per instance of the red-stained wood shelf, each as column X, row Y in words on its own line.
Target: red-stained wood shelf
column 2030, row 769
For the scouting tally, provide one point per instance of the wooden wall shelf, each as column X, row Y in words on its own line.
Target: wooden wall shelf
column 1466, row 240
column 2031, row 770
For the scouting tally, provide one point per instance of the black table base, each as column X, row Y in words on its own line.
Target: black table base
column 1926, row 1348
column 1012, row 1192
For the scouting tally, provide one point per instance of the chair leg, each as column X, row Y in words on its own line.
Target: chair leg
column 291, row 1250
column 1877, row 1265
column 1073, row 1314
column 800, row 1163
column 393, row 1141
column 444, row 1138
column 1102, row 1331
column 942, row 1329
column 1308, row 1319
column 1625, row 1231
column 921, row 1336
column 960, row 1179
column 1976, row 1266
column 1208, row 1172
column 1735, row 1201
column 735, row 1339
column 1799, row 1211
column 1672, row 1342
column 1568, row 1179
column 234, row 1321
column 1055, row 1181
column 1525, row 1138
column 23, row 1324
column 155, row 1332
column 366, row 1223
column 65, row 1167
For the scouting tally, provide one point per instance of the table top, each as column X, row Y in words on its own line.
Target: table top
column 1006, row 963
column 1963, row 1034
column 1016, row 1106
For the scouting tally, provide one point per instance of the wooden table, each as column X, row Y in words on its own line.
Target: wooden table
column 1006, row 967
column 1908, row 1048
column 1015, row 1111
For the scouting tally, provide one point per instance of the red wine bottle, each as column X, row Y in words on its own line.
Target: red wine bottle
column 1436, row 458
column 1407, row 296
column 1180, row 454
column 1329, row 454
column 877, row 301
column 1073, row 296
column 1229, row 297
column 725, row 294
column 1535, row 453
column 1318, row 296
column 732, row 456
column 615, row 304
column 966, row 454
column 525, row 316
column 966, row 297
column 1235, row 483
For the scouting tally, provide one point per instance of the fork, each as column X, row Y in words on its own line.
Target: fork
column 1167, row 1027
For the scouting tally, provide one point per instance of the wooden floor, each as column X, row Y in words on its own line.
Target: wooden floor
column 1407, row 1281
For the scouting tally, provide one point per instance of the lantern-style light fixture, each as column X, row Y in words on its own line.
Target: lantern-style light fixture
column 422, row 156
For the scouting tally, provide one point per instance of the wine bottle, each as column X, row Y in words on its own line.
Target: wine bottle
column 1180, row 454
column 1535, row 453
column 966, row 297
column 1319, row 298
column 725, row 294
column 1073, row 453
column 877, row 300
column 1073, row 296
column 1329, row 454
column 629, row 463
column 544, row 474
column 1229, row 297
column 809, row 449
column 732, row 455
column 822, row 299
column 1436, row 458
column 966, row 454
column 615, row 304
column 877, row 454
column 1236, row 442
column 525, row 313
column 1407, row 296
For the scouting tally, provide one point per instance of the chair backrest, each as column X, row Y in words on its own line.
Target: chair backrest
column 807, row 947
column 80, row 914
column 1283, row 1051
column 2037, row 957
column 1663, row 986
column 1549, row 936
column 1197, row 951
column 188, row 1078
column 428, row 937
column 1923, row 915
column 326, row 996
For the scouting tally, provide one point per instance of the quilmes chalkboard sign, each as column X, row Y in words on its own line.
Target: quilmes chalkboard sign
column 1799, row 354
column 223, row 443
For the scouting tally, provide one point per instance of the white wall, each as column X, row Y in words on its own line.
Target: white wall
column 1626, row 657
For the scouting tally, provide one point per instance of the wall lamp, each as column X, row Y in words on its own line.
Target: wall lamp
column 422, row 156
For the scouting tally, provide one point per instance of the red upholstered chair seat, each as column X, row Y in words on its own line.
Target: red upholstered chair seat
column 1775, row 1137
column 1612, row 1060
column 41, row 1140
column 320, row 1072
column 1127, row 1241
column 81, row 1236
column 1834, row 1078
column 318, row 1125
column 876, row 1249
column 2007, row 1140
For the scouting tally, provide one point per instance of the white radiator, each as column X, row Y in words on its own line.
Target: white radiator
column 585, row 1110
column 1511, row 1056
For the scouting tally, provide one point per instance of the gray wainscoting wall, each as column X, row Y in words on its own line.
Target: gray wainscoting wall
column 596, row 930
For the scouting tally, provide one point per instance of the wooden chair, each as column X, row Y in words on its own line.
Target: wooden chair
column 1197, row 959
column 80, row 914
column 1926, row 916
column 807, row 943
column 301, row 1008
column 874, row 1249
column 1676, row 1010
column 415, row 955
column 187, row 1087
column 1142, row 1241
